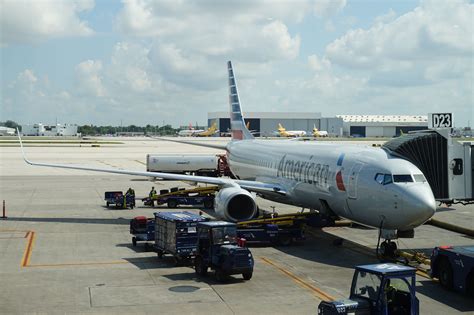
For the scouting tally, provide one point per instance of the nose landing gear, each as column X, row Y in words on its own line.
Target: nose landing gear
column 388, row 248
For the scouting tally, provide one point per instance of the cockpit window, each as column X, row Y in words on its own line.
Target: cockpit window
column 406, row 178
column 383, row 179
column 419, row 178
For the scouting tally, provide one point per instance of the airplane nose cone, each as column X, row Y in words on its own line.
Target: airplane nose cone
column 420, row 206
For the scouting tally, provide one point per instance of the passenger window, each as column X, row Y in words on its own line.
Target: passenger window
column 419, row 178
column 387, row 179
column 402, row 178
column 379, row 178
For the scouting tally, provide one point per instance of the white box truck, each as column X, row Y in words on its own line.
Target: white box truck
column 202, row 165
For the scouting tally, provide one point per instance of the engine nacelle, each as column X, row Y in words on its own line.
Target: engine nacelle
column 235, row 204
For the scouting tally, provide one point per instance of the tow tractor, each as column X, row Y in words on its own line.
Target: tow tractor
column 378, row 289
column 119, row 200
column 179, row 196
column 218, row 249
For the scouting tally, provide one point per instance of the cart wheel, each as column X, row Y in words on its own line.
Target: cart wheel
column 160, row 253
column 134, row 241
column 247, row 275
column 147, row 247
column 172, row 204
column 108, row 204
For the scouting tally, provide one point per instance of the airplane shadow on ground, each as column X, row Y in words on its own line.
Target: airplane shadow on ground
column 455, row 300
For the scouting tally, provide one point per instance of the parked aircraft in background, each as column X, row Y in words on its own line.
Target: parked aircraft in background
column 364, row 184
column 290, row 133
column 189, row 132
column 319, row 133
column 209, row 132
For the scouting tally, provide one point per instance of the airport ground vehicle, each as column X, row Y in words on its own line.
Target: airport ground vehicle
column 378, row 289
column 200, row 196
column 217, row 249
column 118, row 199
column 454, row 267
column 176, row 234
column 142, row 229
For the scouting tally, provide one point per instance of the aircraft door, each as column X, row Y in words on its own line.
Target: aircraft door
column 353, row 177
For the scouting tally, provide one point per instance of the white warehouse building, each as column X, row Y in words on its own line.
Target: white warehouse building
column 382, row 125
column 52, row 130
column 266, row 123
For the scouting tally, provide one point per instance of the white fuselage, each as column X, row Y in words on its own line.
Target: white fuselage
column 309, row 174
column 189, row 133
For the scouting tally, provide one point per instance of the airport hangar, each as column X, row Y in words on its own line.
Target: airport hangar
column 266, row 123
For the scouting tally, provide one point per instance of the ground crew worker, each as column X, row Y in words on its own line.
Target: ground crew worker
column 130, row 192
column 151, row 195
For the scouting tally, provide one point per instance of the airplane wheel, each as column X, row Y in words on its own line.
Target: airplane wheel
column 388, row 249
column 208, row 204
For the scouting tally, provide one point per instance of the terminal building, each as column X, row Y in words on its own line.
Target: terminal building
column 265, row 124
column 382, row 125
column 52, row 130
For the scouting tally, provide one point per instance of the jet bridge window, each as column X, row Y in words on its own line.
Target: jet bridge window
column 405, row 178
column 383, row 179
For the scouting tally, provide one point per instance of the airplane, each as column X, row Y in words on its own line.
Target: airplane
column 319, row 133
column 189, row 132
column 209, row 132
column 290, row 133
column 363, row 184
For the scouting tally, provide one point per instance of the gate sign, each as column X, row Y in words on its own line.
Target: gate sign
column 440, row 120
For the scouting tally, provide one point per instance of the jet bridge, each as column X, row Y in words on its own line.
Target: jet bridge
column 447, row 164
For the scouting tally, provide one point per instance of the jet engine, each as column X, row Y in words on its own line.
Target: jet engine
column 235, row 204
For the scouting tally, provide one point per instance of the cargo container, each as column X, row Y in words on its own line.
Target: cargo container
column 176, row 234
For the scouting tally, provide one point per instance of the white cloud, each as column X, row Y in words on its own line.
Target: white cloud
column 89, row 78
column 25, row 21
column 432, row 30
column 327, row 8
column 318, row 64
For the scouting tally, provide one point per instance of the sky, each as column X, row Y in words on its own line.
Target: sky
column 154, row 62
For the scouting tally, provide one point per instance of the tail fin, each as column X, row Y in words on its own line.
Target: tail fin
column 281, row 128
column 237, row 124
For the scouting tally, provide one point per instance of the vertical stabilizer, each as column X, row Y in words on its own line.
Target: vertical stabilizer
column 237, row 123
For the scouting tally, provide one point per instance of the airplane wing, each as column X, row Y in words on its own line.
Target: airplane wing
column 254, row 186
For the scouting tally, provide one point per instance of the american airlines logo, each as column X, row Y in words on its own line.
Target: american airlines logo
column 304, row 171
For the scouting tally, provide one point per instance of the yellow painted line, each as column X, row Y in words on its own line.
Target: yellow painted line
column 316, row 291
column 138, row 161
column 29, row 247
column 116, row 262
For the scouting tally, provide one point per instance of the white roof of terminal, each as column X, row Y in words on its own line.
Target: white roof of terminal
column 383, row 118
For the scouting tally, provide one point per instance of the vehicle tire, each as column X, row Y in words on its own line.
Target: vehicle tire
column 134, row 241
column 147, row 247
column 445, row 273
column 200, row 267
column 285, row 240
column 172, row 204
column 221, row 276
column 470, row 284
column 247, row 275
column 208, row 204
column 159, row 252
column 108, row 204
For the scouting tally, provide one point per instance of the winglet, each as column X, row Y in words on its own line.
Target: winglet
column 21, row 145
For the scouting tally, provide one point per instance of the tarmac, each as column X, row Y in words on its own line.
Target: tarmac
column 62, row 251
